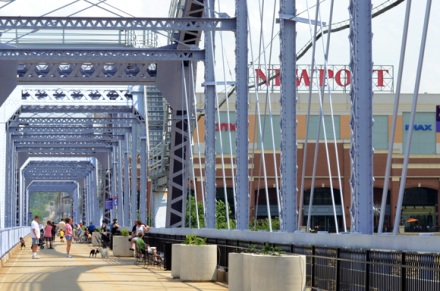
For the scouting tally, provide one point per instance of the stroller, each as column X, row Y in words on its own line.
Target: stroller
column 41, row 240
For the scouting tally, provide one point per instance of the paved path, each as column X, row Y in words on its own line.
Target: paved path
column 54, row 271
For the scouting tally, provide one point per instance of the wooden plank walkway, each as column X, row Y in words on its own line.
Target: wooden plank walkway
column 54, row 271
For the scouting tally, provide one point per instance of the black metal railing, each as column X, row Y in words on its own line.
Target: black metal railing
column 339, row 268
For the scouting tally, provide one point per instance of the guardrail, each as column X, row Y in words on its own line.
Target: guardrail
column 9, row 237
column 336, row 268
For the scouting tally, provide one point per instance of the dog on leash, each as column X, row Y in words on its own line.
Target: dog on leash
column 104, row 253
column 93, row 253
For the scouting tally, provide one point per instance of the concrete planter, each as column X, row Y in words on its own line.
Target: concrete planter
column 196, row 263
column 176, row 250
column 96, row 238
column 263, row 272
column 121, row 246
column 236, row 272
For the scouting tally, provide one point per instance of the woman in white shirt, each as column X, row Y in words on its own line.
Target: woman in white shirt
column 140, row 229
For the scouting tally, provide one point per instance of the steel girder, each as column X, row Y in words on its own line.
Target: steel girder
column 177, row 186
column 86, row 23
column 70, row 121
column 60, row 151
column 132, row 55
column 79, row 72
column 68, row 137
column 70, row 130
column 82, row 166
column 52, row 186
column 110, row 96
column 361, row 93
column 73, row 108
column 288, row 193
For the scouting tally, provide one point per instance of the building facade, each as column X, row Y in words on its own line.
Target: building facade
column 421, row 193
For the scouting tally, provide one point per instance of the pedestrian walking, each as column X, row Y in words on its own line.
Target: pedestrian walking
column 35, row 235
column 69, row 236
column 48, row 235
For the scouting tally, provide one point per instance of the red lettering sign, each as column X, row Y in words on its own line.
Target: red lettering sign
column 336, row 77
column 225, row 127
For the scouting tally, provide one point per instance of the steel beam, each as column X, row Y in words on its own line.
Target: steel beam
column 210, row 113
column 241, row 107
column 361, row 93
column 177, row 188
column 132, row 55
column 288, row 193
column 87, row 23
column 82, row 73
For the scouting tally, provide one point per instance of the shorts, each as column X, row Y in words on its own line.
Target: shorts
column 68, row 237
column 35, row 241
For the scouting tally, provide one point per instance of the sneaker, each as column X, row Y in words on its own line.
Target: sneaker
column 69, row 256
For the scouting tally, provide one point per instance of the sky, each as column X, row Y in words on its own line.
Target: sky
column 387, row 32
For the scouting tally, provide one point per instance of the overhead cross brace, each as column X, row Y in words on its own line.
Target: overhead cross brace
column 135, row 55
column 86, row 23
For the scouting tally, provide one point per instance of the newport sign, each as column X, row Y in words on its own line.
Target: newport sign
column 335, row 78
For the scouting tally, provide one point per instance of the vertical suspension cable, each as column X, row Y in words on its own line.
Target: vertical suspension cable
column 198, row 143
column 413, row 113
column 191, row 155
column 231, row 159
column 395, row 113
column 222, row 157
column 325, row 78
column 312, row 189
column 211, row 10
column 268, row 105
column 147, row 137
column 321, row 121
column 258, row 113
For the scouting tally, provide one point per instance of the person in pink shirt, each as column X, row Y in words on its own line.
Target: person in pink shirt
column 69, row 236
column 48, row 235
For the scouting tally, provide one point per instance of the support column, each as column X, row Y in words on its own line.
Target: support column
column 241, row 107
column 143, row 181
column 96, row 196
column 177, row 188
column 134, row 186
column 84, row 201
column 75, row 205
column 119, row 185
column 361, row 117
column 210, row 94
column 113, row 182
column 288, row 193
column 126, row 220
column 9, row 213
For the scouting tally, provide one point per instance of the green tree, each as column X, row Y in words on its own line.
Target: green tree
column 220, row 214
column 263, row 224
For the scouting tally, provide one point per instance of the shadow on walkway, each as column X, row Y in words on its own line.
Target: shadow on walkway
column 54, row 271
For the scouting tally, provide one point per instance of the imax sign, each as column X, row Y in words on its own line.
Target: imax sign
column 420, row 127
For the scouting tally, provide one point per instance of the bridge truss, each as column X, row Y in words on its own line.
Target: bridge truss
column 108, row 126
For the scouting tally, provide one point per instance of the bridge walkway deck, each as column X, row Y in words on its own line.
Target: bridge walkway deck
column 54, row 271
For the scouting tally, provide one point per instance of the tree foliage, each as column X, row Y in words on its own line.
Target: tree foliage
column 263, row 224
column 220, row 214
column 39, row 202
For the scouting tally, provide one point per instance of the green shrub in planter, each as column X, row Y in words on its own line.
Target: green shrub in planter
column 194, row 240
column 125, row 232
